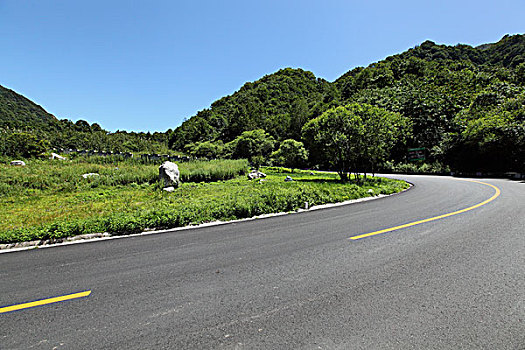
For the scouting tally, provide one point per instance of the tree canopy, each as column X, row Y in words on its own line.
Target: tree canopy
column 354, row 138
column 464, row 105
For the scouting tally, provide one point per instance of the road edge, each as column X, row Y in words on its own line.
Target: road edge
column 97, row 237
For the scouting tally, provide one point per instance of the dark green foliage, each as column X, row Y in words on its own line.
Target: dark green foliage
column 255, row 145
column 355, row 138
column 441, row 89
column 20, row 115
column 279, row 103
column 291, row 153
column 23, row 144
column 206, row 149
column 430, row 85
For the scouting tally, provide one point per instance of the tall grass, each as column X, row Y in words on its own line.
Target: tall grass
column 135, row 209
column 58, row 176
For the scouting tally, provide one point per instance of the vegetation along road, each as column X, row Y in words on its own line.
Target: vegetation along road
column 294, row 281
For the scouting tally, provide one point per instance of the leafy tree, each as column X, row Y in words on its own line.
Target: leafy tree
column 205, row 149
column 291, row 153
column 23, row 144
column 255, row 145
column 355, row 137
column 491, row 137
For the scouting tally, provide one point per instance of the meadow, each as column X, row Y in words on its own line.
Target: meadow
column 50, row 200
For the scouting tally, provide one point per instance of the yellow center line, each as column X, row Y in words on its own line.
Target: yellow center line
column 496, row 194
column 44, row 301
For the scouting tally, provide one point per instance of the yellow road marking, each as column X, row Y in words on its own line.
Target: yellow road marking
column 44, row 301
column 496, row 194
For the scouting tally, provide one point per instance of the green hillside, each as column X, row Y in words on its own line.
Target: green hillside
column 18, row 112
column 279, row 103
column 459, row 99
column 465, row 106
column 26, row 130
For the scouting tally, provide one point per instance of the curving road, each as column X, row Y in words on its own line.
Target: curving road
column 294, row 281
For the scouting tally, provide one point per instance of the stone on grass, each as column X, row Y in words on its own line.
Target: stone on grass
column 169, row 174
column 18, row 163
column 288, row 179
column 169, row 189
column 57, row 156
column 255, row 174
column 85, row 176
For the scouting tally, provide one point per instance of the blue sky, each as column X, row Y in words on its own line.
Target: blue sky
column 147, row 65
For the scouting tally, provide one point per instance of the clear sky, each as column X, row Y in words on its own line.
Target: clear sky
column 147, row 65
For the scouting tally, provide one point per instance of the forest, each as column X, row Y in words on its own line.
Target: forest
column 463, row 106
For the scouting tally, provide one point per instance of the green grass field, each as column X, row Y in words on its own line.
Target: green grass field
column 50, row 199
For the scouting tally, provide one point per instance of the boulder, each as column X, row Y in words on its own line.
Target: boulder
column 255, row 174
column 288, row 179
column 18, row 163
column 169, row 174
column 57, row 156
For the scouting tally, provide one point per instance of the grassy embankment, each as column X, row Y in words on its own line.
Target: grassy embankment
column 51, row 200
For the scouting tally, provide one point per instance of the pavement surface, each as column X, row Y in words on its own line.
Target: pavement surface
column 290, row 282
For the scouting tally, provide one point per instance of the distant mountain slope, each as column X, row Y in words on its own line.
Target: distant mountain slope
column 508, row 52
column 430, row 84
column 19, row 115
column 18, row 112
column 280, row 103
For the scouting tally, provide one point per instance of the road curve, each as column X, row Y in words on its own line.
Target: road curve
column 294, row 281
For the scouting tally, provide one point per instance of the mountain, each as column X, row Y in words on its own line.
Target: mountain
column 18, row 112
column 465, row 105
column 279, row 103
column 430, row 84
column 23, row 121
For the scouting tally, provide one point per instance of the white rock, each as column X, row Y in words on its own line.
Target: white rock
column 169, row 174
column 288, row 179
column 169, row 189
column 255, row 174
column 85, row 176
column 18, row 163
column 57, row 156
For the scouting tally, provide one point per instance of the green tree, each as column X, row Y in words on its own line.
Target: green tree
column 205, row 149
column 355, row 137
column 23, row 144
column 253, row 145
column 291, row 153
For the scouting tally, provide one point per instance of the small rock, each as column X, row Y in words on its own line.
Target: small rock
column 169, row 189
column 312, row 173
column 255, row 174
column 57, row 156
column 288, row 179
column 85, row 176
column 371, row 191
column 18, row 163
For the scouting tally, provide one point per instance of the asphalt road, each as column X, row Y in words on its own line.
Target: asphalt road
column 293, row 281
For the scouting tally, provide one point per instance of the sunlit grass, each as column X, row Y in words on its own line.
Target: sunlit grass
column 54, row 211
